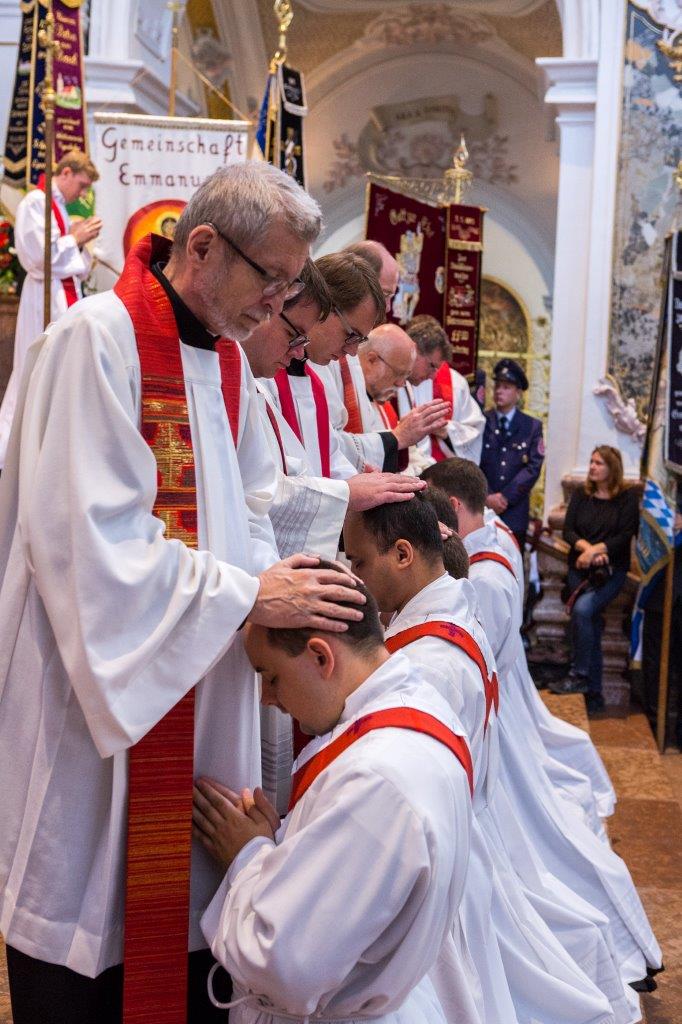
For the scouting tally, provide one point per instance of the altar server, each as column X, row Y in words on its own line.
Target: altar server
column 525, row 973
column 69, row 258
column 135, row 543
column 432, row 378
column 562, row 838
column 343, row 911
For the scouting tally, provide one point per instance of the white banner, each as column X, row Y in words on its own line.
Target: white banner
column 149, row 167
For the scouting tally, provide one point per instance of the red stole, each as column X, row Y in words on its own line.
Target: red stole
column 492, row 556
column 278, row 434
column 286, row 400
column 442, row 388
column 161, row 764
column 387, row 718
column 68, row 283
column 505, row 529
column 388, row 414
column 350, row 399
column 459, row 637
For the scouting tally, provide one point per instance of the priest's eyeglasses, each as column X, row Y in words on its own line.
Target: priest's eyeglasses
column 272, row 285
column 299, row 337
column 354, row 336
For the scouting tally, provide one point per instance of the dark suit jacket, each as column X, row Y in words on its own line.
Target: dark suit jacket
column 512, row 465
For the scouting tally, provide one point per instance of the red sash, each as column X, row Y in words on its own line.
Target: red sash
column 278, row 434
column 68, row 283
column 288, row 407
column 161, row 764
column 505, row 529
column 388, row 414
column 388, row 718
column 442, row 388
column 492, row 556
column 454, row 634
column 350, row 399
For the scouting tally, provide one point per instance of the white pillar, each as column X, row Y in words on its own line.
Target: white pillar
column 10, row 26
column 572, row 90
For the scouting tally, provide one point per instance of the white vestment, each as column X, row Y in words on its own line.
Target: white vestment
column 359, row 449
column 107, row 624
column 67, row 261
column 559, row 833
column 344, row 916
column 524, row 971
column 465, row 427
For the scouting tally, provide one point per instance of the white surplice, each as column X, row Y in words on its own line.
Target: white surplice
column 344, row 916
column 465, row 427
column 107, row 624
column 525, row 973
column 359, row 449
column 560, row 835
column 67, row 261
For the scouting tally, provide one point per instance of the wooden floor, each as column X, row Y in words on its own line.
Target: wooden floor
column 646, row 831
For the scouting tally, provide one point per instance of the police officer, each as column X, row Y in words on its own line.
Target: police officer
column 513, row 450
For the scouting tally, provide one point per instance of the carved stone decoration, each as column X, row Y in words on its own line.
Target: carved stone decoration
column 624, row 414
column 427, row 24
column 504, row 8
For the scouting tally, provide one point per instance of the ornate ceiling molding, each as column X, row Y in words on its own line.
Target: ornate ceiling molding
column 502, row 8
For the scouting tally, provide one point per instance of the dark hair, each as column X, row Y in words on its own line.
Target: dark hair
column 459, row 478
column 350, row 279
column 413, row 520
column 442, row 506
column 365, row 634
column 429, row 336
column 315, row 290
column 455, row 557
column 614, row 464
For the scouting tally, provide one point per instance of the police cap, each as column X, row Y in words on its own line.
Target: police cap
column 509, row 371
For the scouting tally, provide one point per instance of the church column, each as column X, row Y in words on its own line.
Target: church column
column 572, row 91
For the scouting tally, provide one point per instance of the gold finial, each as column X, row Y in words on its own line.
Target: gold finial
column 284, row 13
column 457, row 176
column 673, row 51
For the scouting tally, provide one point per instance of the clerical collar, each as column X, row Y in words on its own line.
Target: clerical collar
column 296, row 368
column 191, row 330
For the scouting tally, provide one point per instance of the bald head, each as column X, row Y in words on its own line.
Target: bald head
column 381, row 260
column 387, row 358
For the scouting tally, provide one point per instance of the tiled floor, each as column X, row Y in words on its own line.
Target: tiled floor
column 646, row 831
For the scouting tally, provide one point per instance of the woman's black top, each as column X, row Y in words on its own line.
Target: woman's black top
column 613, row 521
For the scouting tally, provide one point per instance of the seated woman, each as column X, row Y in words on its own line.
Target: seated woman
column 601, row 520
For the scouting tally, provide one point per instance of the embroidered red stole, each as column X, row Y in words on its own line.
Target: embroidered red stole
column 161, row 764
column 442, row 388
column 459, row 637
column 505, row 529
column 68, row 283
column 388, row 414
column 350, row 399
column 492, row 556
column 278, row 434
column 288, row 407
column 388, row 718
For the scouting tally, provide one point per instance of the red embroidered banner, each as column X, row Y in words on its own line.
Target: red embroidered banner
column 463, row 284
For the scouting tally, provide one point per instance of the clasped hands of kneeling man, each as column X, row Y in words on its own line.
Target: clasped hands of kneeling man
column 225, row 821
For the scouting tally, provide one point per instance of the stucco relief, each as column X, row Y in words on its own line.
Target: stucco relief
column 505, row 8
column 426, row 24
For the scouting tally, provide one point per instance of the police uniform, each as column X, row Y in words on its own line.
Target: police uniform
column 512, row 457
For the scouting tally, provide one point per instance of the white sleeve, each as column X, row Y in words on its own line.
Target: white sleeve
column 29, row 235
column 465, row 429
column 275, row 920
column 138, row 619
column 497, row 618
column 259, row 477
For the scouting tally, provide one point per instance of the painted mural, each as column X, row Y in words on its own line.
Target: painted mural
column 651, row 147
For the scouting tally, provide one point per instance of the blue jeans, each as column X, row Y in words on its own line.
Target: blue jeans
column 587, row 625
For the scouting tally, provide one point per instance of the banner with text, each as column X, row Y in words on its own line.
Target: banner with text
column 149, row 168
column 24, row 156
column 463, row 284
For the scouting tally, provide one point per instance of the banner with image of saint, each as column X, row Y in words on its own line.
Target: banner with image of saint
column 149, row 168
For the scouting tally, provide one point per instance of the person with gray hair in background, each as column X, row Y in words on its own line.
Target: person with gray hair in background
column 138, row 433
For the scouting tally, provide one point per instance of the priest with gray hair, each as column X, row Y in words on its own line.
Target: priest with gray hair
column 134, row 544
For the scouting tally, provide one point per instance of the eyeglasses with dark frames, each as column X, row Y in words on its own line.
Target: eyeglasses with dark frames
column 273, row 285
column 354, row 336
column 299, row 337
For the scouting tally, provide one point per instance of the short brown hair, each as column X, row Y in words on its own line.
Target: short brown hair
column 459, row 478
column 365, row 635
column 429, row 336
column 79, row 163
column 315, row 290
column 614, row 464
column 455, row 558
column 442, row 506
column 368, row 251
column 350, row 279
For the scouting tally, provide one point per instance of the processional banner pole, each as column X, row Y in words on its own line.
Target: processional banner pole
column 51, row 46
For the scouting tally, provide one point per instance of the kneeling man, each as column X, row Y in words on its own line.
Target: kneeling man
column 343, row 910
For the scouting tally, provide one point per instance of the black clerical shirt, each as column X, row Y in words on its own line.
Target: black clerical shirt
column 191, row 330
